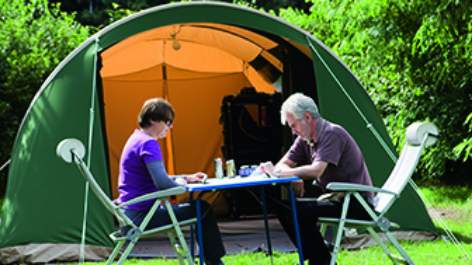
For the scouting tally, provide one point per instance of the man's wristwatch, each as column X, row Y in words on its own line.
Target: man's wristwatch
column 277, row 172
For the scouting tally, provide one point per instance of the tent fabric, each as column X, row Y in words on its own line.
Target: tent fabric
column 147, row 61
column 45, row 253
column 44, row 200
column 193, row 54
column 375, row 156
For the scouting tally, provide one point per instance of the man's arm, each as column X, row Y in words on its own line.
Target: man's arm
column 287, row 168
column 313, row 171
column 285, row 164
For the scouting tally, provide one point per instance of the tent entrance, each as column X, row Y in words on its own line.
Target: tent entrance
column 210, row 62
column 195, row 66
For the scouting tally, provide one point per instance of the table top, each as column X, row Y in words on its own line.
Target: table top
column 236, row 182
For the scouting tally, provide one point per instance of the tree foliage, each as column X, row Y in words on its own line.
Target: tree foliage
column 33, row 40
column 414, row 58
column 97, row 12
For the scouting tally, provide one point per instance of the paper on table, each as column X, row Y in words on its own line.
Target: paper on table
column 257, row 173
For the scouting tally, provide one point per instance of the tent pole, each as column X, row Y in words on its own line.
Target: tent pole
column 89, row 155
column 5, row 165
column 170, row 139
column 369, row 125
column 436, row 216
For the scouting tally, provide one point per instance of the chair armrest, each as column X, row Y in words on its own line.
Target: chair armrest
column 156, row 195
column 343, row 186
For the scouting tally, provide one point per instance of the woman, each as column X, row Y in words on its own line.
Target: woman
column 142, row 171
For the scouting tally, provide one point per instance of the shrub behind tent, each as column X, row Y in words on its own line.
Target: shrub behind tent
column 96, row 92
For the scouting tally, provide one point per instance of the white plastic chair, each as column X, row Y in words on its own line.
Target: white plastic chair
column 419, row 136
column 72, row 150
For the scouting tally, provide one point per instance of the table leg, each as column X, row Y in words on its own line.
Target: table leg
column 199, row 228
column 266, row 224
column 295, row 221
column 192, row 243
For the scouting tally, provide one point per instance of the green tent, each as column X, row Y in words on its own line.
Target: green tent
column 193, row 54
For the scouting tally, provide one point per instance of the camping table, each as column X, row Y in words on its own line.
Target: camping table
column 231, row 183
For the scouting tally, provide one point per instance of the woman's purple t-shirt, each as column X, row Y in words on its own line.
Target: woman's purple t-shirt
column 334, row 145
column 135, row 179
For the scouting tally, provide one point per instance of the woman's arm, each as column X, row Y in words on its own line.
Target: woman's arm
column 159, row 175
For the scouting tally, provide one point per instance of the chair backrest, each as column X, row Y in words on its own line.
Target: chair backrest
column 419, row 136
column 72, row 150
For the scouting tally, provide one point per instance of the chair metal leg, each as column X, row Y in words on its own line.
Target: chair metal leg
column 406, row 259
column 395, row 259
column 380, row 242
column 126, row 252
column 337, row 243
column 339, row 234
column 135, row 233
column 184, row 245
column 179, row 233
column 323, row 229
column 115, row 252
column 177, row 250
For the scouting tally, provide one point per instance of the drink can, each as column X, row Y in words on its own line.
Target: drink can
column 230, row 168
column 218, row 167
column 244, row 171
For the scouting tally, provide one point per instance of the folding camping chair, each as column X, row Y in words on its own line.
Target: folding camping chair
column 72, row 150
column 419, row 136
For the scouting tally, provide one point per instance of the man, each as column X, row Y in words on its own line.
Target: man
column 324, row 152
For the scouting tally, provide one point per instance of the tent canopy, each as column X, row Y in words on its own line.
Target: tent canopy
column 193, row 54
column 208, row 62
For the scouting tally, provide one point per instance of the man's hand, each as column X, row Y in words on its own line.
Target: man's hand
column 268, row 168
column 298, row 189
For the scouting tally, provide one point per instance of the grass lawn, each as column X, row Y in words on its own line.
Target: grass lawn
column 453, row 205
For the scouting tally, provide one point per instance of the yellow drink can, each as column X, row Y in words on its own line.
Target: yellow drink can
column 230, row 168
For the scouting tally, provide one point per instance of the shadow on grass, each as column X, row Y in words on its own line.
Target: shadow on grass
column 460, row 237
column 452, row 193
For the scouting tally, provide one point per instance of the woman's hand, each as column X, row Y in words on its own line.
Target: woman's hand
column 196, row 178
column 181, row 181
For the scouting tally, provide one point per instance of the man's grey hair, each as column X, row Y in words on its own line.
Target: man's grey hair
column 297, row 104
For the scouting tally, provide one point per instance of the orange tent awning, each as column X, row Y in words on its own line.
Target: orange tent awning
column 208, row 62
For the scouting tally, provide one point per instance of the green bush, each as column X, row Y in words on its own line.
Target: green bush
column 414, row 58
column 33, row 40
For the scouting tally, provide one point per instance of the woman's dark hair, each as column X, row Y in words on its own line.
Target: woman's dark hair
column 155, row 109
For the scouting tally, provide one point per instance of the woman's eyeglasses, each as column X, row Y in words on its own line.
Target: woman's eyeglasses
column 169, row 122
